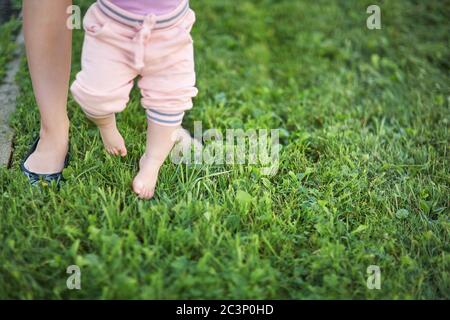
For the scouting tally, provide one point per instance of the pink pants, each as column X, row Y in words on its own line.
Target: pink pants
column 120, row 46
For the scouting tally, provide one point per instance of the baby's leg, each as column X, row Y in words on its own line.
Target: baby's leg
column 112, row 139
column 160, row 141
column 103, row 85
column 168, row 86
column 102, row 89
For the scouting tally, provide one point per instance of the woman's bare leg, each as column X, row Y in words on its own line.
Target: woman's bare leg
column 48, row 44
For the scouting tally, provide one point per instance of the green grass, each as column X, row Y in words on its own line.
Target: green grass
column 365, row 119
column 7, row 44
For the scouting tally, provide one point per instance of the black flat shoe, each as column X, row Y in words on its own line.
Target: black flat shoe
column 34, row 177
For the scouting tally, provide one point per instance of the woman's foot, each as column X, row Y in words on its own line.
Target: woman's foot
column 50, row 153
column 112, row 139
column 145, row 181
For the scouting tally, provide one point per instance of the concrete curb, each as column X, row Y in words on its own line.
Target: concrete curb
column 9, row 91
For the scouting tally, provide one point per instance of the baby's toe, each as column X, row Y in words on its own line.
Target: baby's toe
column 137, row 187
column 142, row 195
column 123, row 151
column 149, row 193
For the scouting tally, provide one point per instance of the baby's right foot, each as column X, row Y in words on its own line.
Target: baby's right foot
column 145, row 181
column 112, row 139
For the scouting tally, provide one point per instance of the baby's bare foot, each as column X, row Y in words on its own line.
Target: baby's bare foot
column 112, row 139
column 145, row 181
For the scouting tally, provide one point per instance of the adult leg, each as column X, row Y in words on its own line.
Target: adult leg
column 48, row 45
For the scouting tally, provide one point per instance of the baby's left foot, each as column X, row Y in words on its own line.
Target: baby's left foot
column 112, row 139
column 145, row 181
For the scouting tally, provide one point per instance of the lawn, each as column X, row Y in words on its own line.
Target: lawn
column 363, row 179
column 7, row 44
column 8, row 32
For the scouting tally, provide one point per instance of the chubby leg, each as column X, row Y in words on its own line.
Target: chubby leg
column 48, row 46
column 160, row 141
column 167, row 86
column 102, row 87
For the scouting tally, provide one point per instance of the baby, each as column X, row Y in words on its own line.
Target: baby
column 149, row 39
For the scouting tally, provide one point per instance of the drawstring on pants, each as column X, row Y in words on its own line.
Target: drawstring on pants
column 141, row 39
